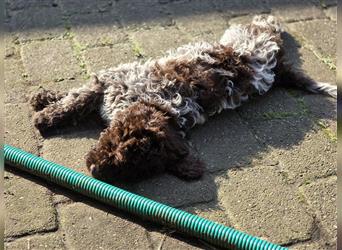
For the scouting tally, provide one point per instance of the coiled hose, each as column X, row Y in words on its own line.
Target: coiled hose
column 193, row 225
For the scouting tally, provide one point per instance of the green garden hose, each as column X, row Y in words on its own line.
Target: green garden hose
column 193, row 225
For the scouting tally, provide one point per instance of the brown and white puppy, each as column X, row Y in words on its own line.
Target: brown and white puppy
column 149, row 107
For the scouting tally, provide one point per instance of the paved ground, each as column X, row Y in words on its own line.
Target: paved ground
column 271, row 165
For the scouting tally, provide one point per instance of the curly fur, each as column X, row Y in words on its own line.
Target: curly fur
column 148, row 107
column 143, row 141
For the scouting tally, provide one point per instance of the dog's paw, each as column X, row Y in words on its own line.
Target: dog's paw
column 43, row 98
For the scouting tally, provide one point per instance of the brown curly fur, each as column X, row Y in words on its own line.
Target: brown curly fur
column 69, row 109
column 146, row 128
column 199, row 75
column 141, row 142
column 44, row 98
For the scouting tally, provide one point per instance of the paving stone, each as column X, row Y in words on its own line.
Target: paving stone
column 19, row 130
column 50, row 60
column 15, row 81
column 320, row 107
column 48, row 241
column 325, row 3
column 36, row 23
column 311, row 63
column 295, row 10
column 187, row 13
column 88, row 227
column 331, row 13
column 313, row 157
column 244, row 19
column 69, row 149
column 23, row 4
column 97, row 29
column 72, row 8
column 22, row 213
column 155, row 41
column 241, row 7
column 182, row 193
column 200, row 19
column 167, row 242
column 106, row 57
column 321, row 197
column 137, row 13
column 308, row 246
column 276, row 128
column 274, row 105
column 210, row 211
column 306, row 60
column 319, row 34
column 62, row 86
column 271, row 209
column 216, row 142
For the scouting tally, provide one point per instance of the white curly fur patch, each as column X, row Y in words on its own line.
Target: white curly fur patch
column 130, row 82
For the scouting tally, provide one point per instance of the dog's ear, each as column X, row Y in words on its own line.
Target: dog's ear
column 189, row 168
column 181, row 163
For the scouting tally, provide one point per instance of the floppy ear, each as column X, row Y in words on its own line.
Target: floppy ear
column 189, row 168
column 184, row 165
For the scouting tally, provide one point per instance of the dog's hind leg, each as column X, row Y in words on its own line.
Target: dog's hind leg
column 290, row 76
column 71, row 108
column 44, row 98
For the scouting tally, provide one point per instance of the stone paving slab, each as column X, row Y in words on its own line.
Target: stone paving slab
column 167, row 242
column 15, row 81
column 19, row 130
column 321, row 198
column 309, row 246
column 87, row 227
column 276, row 104
column 24, row 4
column 318, row 34
column 29, row 207
column 145, row 14
column 216, row 142
column 155, row 41
column 88, row 6
column 326, row 3
column 51, row 58
column 269, row 207
column 211, row 211
column 312, row 158
column 295, row 10
column 182, row 193
column 26, row 26
column 207, row 27
column 98, row 59
column 303, row 58
column 51, row 241
column 70, row 149
column 198, row 18
column 87, row 34
column 331, row 13
column 241, row 7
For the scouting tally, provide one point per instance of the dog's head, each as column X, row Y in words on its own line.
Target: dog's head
column 139, row 143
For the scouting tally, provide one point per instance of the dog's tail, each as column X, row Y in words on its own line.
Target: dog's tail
column 289, row 77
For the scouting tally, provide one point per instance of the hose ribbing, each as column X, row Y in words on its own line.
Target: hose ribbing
column 185, row 222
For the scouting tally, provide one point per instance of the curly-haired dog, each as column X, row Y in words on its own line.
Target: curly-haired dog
column 150, row 106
